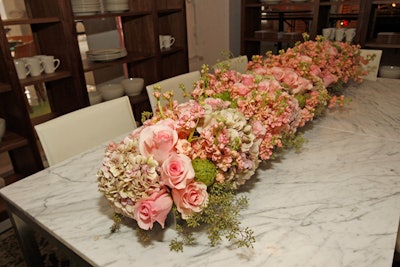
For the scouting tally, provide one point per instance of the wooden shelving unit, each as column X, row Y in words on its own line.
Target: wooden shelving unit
column 369, row 17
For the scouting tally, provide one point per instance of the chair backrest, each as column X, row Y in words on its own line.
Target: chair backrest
column 238, row 64
column 80, row 130
column 173, row 84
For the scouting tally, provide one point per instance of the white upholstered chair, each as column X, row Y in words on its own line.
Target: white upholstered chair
column 238, row 64
column 80, row 130
column 187, row 79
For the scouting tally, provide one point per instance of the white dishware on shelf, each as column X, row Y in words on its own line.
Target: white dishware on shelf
column 339, row 34
column 85, row 7
column 36, row 66
column 106, row 54
column 50, row 63
column 95, row 97
column 133, row 86
column 350, row 33
column 387, row 71
column 166, row 41
column 329, row 33
column 116, row 5
column 23, row 69
column 111, row 90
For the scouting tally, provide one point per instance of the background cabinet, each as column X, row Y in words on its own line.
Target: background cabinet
column 53, row 27
column 377, row 23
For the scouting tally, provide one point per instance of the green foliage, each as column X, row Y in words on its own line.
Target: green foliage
column 205, row 171
column 117, row 218
column 221, row 217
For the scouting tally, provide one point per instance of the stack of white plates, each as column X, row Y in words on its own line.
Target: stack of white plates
column 85, row 7
column 106, row 54
column 116, row 5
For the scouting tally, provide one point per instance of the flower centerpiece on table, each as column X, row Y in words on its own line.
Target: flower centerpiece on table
column 189, row 159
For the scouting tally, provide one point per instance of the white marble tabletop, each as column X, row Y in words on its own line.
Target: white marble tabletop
column 337, row 203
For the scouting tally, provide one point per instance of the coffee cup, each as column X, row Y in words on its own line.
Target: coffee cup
column 350, row 34
column 328, row 33
column 23, row 69
column 50, row 63
column 35, row 64
column 339, row 34
column 166, row 41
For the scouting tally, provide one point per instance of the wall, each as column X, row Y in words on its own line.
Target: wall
column 213, row 31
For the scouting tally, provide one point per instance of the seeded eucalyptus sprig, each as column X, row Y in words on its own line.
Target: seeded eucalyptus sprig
column 221, row 217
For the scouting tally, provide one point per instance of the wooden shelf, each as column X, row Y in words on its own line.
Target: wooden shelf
column 374, row 44
column 132, row 14
column 89, row 65
column 12, row 141
column 58, row 75
column 31, row 21
column 4, row 87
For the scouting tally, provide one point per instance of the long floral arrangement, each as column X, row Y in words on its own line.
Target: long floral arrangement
column 190, row 158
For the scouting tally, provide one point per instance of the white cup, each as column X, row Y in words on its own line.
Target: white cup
column 327, row 33
column 50, row 63
column 339, row 34
column 35, row 64
column 350, row 34
column 166, row 41
column 23, row 68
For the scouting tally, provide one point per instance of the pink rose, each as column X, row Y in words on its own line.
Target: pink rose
column 315, row 71
column 329, row 79
column 278, row 73
column 247, row 79
column 177, row 171
column 241, row 89
column 153, row 209
column 158, row 140
column 269, row 85
column 290, row 78
column 191, row 199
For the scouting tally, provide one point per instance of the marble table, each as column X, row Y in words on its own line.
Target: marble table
column 337, row 203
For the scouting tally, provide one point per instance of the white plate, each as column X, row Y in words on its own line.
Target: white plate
column 106, row 56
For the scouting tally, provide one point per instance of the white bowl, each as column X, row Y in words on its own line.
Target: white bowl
column 111, row 91
column 2, row 128
column 95, row 97
column 133, row 86
column 392, row 72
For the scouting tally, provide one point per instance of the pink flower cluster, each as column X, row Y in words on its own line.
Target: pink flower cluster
column 151, row 170
column 234, row 121
column 320, row 59
column 144, row 175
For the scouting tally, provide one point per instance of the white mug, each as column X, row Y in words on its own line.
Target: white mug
column 327, row 33
column 166, row 41
column 35, row 64
column 23, row 68
column 350, row 34
column 50, row 63
column 339, row 34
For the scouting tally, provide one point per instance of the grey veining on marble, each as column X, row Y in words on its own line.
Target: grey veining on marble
column 337, row 203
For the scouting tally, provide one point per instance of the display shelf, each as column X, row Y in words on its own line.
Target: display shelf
column 31, row 21
column 12, row 141
column 4, row 87
column 58, row 75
